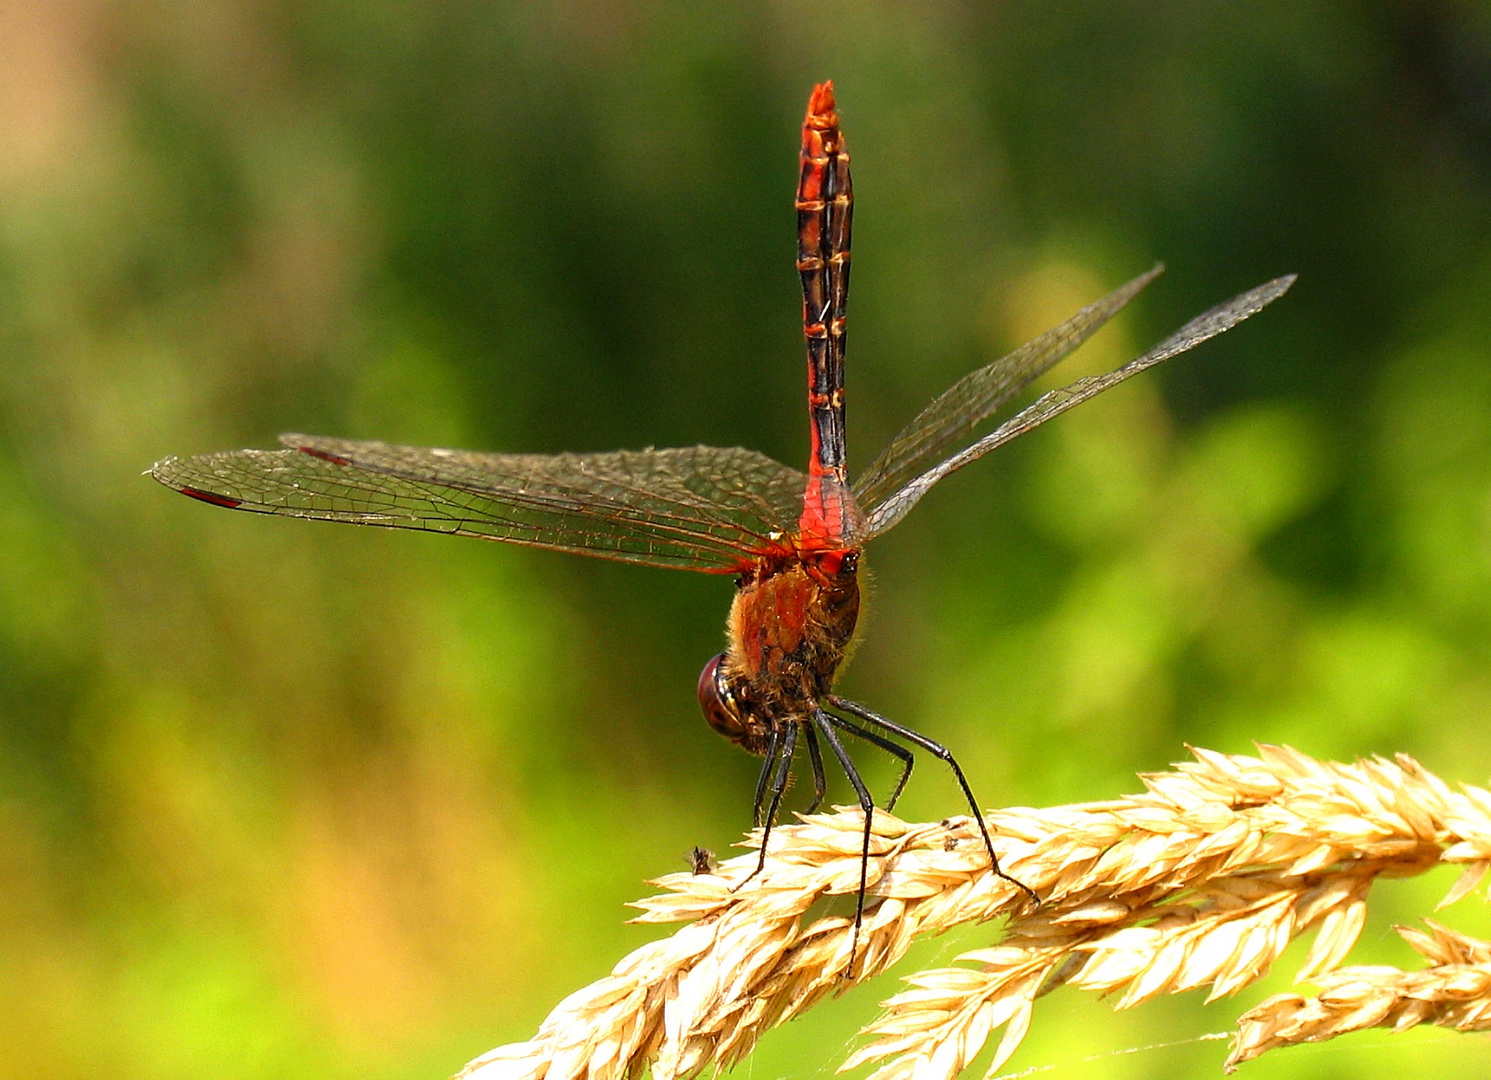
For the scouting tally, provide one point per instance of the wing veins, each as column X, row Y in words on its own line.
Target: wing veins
column 539, row 501
column 971, row 400
column 667, row 523
column 1205, row 326
column 385, row 504
column 577, row 499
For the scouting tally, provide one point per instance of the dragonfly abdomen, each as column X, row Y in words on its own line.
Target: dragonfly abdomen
column 825, row 214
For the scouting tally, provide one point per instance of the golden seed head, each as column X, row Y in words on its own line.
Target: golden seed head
column 1201, row 881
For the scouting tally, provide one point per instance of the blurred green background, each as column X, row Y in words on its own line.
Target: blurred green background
column 280, row 799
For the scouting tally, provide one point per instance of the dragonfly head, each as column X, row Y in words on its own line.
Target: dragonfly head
column 723, row 709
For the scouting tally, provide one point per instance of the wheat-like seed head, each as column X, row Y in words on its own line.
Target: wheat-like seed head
column 1454, row 992
column 1202, row 880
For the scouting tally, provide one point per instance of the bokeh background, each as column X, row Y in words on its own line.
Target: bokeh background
column 281, row 799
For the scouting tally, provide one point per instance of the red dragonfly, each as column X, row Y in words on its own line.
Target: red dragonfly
column 791, row 540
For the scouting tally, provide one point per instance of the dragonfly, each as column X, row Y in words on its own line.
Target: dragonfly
column 791, row 540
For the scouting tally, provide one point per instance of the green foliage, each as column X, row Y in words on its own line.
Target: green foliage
column 279, row 799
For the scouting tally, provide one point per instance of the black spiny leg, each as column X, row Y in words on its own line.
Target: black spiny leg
column 778, row 785
column 768, row 762
column 917, row 739
column 825, row 725
column 889, row 747
column 820, row 785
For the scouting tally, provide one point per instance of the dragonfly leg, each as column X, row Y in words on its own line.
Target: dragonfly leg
column 895, row 750
column 768, row 763
column 820, row 784
column 942, row 752
column 825, row 724
column 778, row 786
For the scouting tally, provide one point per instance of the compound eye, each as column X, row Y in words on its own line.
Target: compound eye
column 718, row 704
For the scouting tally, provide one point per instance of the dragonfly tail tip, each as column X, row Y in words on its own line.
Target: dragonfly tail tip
column 822, row 100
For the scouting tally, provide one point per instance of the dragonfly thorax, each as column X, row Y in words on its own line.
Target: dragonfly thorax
column 790, row 627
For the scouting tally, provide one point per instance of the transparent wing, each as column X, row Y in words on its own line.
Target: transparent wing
column 974, row 398
column 699, row 507
column 891, row 509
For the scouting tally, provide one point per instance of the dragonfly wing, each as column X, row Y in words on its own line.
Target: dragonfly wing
column 974, row 398
column 699, row 508
column 880, row 517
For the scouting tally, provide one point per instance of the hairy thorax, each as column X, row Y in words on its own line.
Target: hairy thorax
column 790, row 627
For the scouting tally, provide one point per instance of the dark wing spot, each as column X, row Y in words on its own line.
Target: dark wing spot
column 212, row 497
column 335, row 459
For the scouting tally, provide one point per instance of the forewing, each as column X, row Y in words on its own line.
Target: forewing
column 699, row 507
column 971, row 400
column 880, row 517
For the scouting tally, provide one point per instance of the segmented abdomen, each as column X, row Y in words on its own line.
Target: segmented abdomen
column 825, row 210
